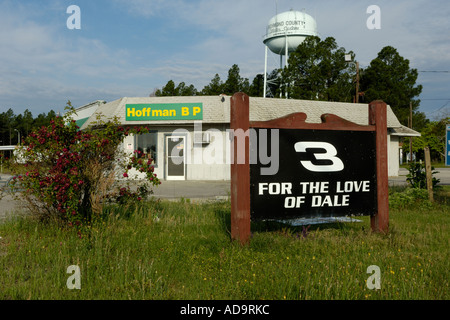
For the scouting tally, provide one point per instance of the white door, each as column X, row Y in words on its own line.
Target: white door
column 175, row 158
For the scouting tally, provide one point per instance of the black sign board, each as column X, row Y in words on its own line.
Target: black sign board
column 320, row 173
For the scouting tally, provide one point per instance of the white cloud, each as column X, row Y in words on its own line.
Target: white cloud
column 191, row 42
column 41, row 62
column 146, row 8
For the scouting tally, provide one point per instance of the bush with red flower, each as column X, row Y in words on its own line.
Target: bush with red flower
column 70, row 173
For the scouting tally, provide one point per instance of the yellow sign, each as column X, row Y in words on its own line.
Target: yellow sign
column 164, row 111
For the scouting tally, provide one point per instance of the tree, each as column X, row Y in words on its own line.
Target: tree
column 273, row 83
column 6, row 128
column 257, row 87
column 420, row 121
column 169, row 90
column 17, row 125
column 214, row 88
column 317, row 70
column 42, row 120
column 389, row 78
column 27, row 124
column 183, row 90
column 235, row 83
column 433, row 136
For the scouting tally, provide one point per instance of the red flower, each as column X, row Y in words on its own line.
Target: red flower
column 125, row 175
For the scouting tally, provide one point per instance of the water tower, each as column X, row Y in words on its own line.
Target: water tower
column 285, row 32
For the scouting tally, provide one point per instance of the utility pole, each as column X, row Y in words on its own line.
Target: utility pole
column 429, row 173
column 410, row 126
column 18, row 138
column 348, row 58
column 357, row 82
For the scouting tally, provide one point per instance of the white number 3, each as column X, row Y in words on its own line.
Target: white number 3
column 330, row 154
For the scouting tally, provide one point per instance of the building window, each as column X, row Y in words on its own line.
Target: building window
column 147, row 146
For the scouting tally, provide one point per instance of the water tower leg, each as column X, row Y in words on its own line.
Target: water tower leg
column 281, row 67
column 265, row 74
column 286, row 52
column 286, row 63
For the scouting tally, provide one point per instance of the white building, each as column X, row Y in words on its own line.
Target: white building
column 197, row 127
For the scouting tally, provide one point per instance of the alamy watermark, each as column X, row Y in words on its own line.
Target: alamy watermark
column 74, row 281
column 219, row 151
column 74, row 20
column 374, row 21
column 374, row 281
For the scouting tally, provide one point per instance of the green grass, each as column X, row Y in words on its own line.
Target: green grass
column 181, row 250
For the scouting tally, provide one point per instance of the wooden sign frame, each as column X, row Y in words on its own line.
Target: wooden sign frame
column 240, row 170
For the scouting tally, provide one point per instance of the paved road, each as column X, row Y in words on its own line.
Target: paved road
column 201, row 190
column 194, row 190
column 443, row 174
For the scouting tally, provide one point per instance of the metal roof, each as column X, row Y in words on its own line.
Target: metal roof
column 216, row 109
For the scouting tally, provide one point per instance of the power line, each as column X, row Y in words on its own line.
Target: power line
column 436, row 71
column 440, row 107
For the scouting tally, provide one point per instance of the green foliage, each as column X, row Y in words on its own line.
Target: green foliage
column 257, row 87
column 433, row 136
column 23, row 123
column 214, row 88
column 274, row 84
column 409, row 198
column 235, row 83
column 169, row 90
column 70, row 174
column 390, row 79
column 318, row 71
column 417, row 176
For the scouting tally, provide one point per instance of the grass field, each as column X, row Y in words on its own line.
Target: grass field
column 181, row 250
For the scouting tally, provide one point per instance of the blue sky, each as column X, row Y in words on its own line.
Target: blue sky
column 130, row 47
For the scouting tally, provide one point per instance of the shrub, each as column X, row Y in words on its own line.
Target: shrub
column 70, row 173
column 417, row 176
column 409, row 198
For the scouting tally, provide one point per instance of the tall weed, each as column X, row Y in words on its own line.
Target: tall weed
column 409, row 198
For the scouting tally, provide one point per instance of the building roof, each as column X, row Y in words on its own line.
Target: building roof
column 216, row 109
column 83, row 113
column 404, row 132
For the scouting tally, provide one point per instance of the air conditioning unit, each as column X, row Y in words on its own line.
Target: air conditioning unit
column 202, row 138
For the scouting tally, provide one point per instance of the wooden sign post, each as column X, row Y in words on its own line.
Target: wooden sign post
column 240, row 168
column 429, row 173
column 379, row 221
column 328, row 169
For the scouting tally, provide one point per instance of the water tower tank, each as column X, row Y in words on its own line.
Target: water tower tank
column 291, row 27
